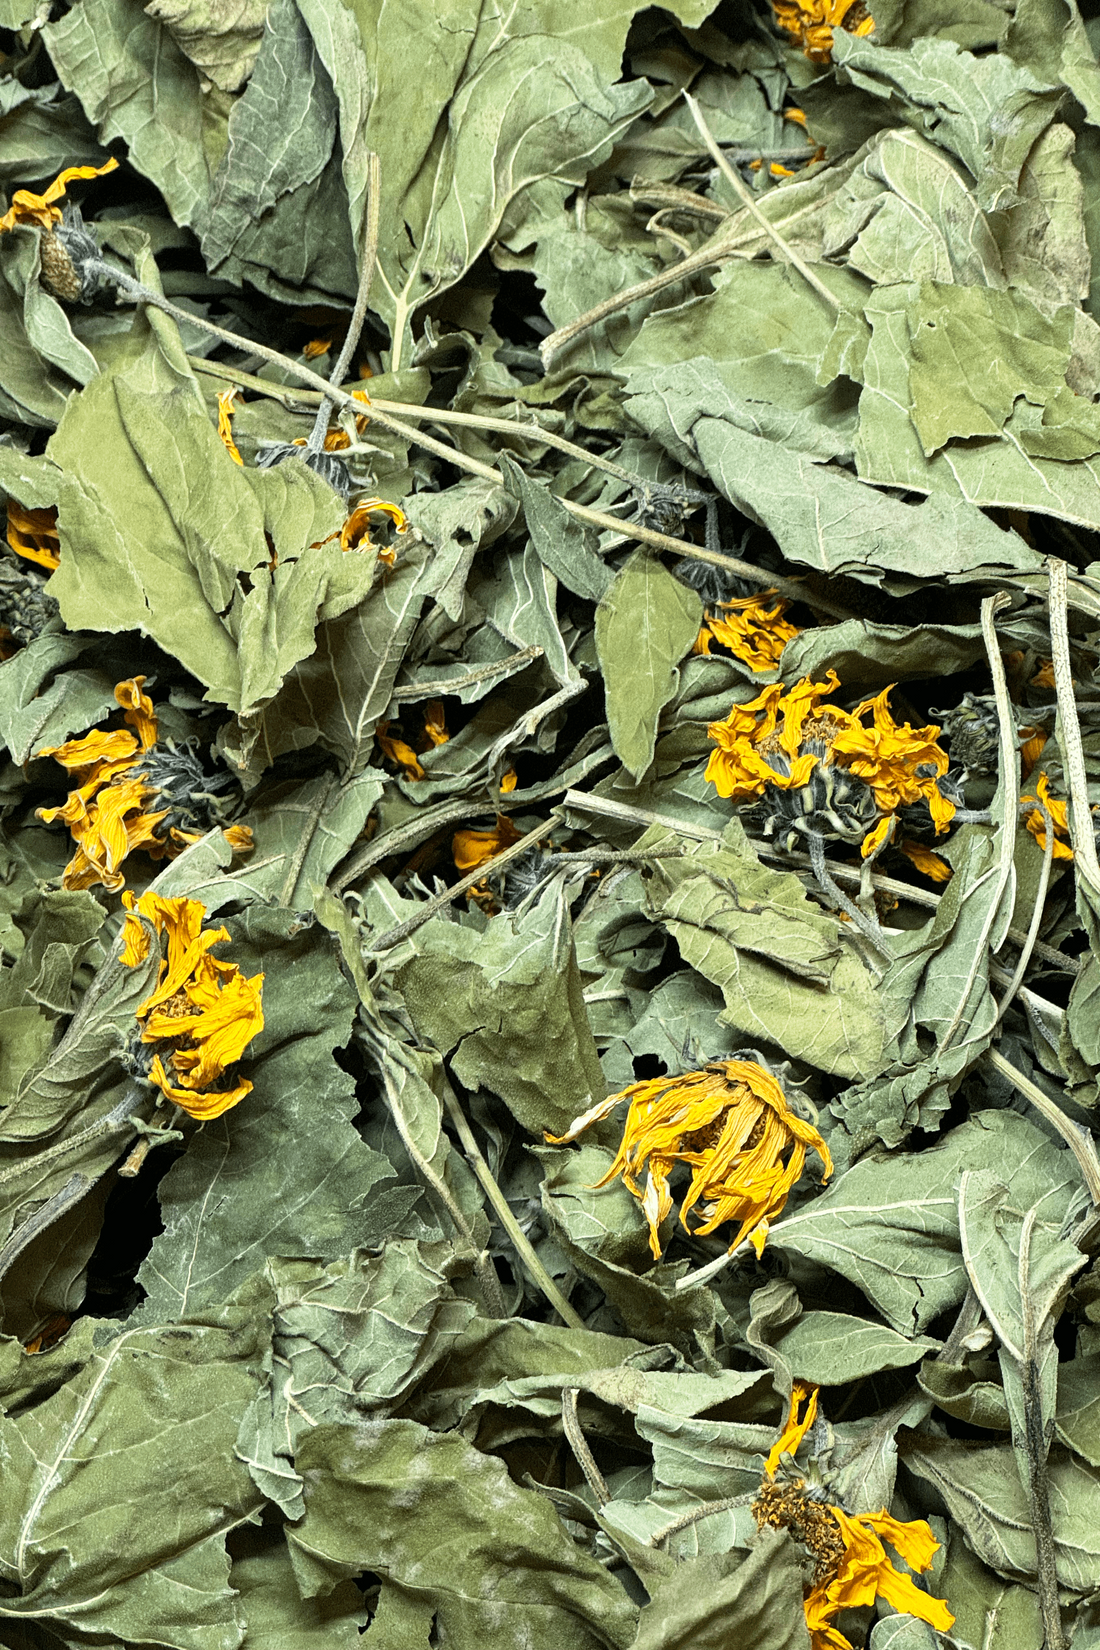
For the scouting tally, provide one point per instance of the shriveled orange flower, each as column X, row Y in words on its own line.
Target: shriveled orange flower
column 930, row 864
column 1044, row 676
column 435, row 723
column 397, row 750
column 810, row 23
column 203, row 1013
column 1033, row 743
column 29, row 208
column 751, row 629
column 852, row 1567
column 316, row 348
column 134, row 791
column 784, row 741
column 1059, row 814
column 731, row 1125
column 226, row 409
column 469, row 849
column 33, row 534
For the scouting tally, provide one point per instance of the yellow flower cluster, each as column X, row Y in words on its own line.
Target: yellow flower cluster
column 203, row 1013
column 810, row 23
column 107, row 813
column 752, row 628
column 779, row 738
column 731, row 1125
column 853, row 1567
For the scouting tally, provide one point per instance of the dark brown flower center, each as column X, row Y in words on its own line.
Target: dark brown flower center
column 788, row 1507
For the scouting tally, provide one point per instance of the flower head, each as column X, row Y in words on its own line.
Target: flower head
column 41, row 210
column 810, row 23
column 731, row 1125
column 819, row 769
column 201, row 1016
column 752, row 628
column 32, row 534
column 851, row 1564
column 133, row 791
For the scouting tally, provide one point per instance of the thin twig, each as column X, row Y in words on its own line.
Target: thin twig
column 747, row 199
column 712, row 1268
column 578, row 1443
column 1037, row 1449
column 1009, row 792
column 1024, row 960
column 471, row 678
column 520, row 1241
column 1079, row 1141
column 316, row 440
column 686, row 1520
column 394, row 936
column 1082, row 829
column 486, row 1271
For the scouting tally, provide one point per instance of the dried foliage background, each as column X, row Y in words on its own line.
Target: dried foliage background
column 364, row 1355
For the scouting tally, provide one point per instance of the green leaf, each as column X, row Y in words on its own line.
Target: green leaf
column 645, row 625
column 750, row 353
column 221, row 41
column 284, row 1172
column 337, row 694
column 706, row 1602
column 868, row 657
column 41, row 704
column 276, row 1616
column 269, row 205
column 446, row 1525
column 145, row 1427
column 135, row 83
column 1008, row 469
column 984, row 1496
column 505, row 1007
column 786, row 973
column 156, row 521
column 990, row 1614
column 830, row 1348
column 1021, row 1270
column 564, row 546
column 907, row 213
column 891, row 1226
column 506, row 102
column 349, row 1340
column 986, row 110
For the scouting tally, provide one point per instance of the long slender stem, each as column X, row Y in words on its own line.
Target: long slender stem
column 394, row 936
column 1036, row 1448
column 578, row 1443
column 1079, row 1141
column 1024, row 960
column 745, row 195
column 359, row 314
column 1009, row 792
column 1069, row 727
column 866, row 925
column 505, row 1215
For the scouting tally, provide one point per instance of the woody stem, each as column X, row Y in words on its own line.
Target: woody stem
column 866, row 925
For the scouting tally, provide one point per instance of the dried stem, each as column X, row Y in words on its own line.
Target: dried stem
column 394, row 936
column 578, row 1443
column 747, row 199
column 867, row 926
column 1036, row 1447
column 316, row 440
column 1079, row 1141
column 686, row 1520
column 1028, row 947
column 1009, row 792
column 1082, row 829
column 521, row 1242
